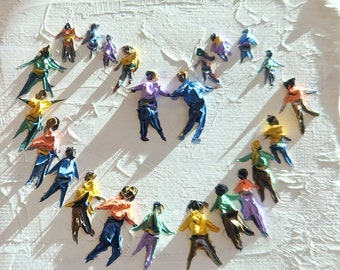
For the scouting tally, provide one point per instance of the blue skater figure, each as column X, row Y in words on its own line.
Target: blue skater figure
column 192, row 93
column 42, row 64
column 245, row 43
column 270, row 65
column 67, row 170
column 46, row 146
column 92, row 37
column 147, row 105
column 277, row 140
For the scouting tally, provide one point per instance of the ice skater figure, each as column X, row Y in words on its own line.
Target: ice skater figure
column 260, row 162
column 111, row 235
column 193, row 96
column 82, row 205
column 92, row 38
column 295, row 97
column 148, row 106
column 66, row 170
column 47, row 148
column 269, row 65
column 33, row 119
column 129, row 63
column 220, row 46
column 42, row 64
column 277, row 139
column 68, row 36
column 245, row 44
column 199, row 227
column 153, row 226
column 109, row 52
column 231, row 219
column 206, row 66
column 250, row 208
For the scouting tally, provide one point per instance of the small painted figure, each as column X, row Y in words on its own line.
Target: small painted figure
column 92, row 38
column 192, row 93
column 231, row 219
column 111, row 235
column 82, row 204
column 129, row 63
column 269, row 65
column 42, row 64
column 294, row 96
column 260, row 161
column 147, row 105
column 109, row 52
column 69, row 36
column 199, row 226
column 245, row 43
column 66, row 170
column 250, row 208
column 221, row 47
column 206, row 66
column 277, row 140
column 152, row 226
column 33, row 118
column 47, row 148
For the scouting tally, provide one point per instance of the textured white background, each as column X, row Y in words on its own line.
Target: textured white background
column 303, row 35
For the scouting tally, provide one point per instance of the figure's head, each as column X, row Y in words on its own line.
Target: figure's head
column 256, row 146
column 67, row 26
column 70, row 152
column 94, row 26
column 90, row 176
column 152, row 75
column 269, row 53
column 41, row 95
column 127, row 49
column 108, row 37
column 158, row 206
column 221, row 189
column 182, row 75
column 213, row 37
column 45, row 52
column 200, row 52
column 197, row 205
column 242, row 173
column 52, row 123
column 245, row 31
column 289, row 84
column 128, row 193
column 272, row 120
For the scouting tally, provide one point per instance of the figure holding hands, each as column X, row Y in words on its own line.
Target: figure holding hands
column 147, row 105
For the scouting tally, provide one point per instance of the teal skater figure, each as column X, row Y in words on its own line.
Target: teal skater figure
column 269, row 65
column 260, row 162
column 153, row 226
column 42, row 64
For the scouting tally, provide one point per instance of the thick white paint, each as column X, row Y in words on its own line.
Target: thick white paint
column 303, row 35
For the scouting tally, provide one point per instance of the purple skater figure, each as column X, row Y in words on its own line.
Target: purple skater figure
column 206, row 66
column 153, row 226
column 250, row 208
column 245, row 43
column 220, row 47
column 110, row 52
column 147, row 105
column 67, row 170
